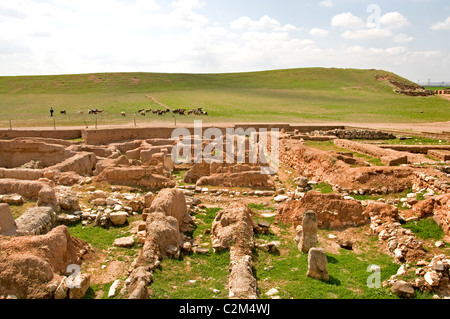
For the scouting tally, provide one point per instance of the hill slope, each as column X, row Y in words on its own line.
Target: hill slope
column 292, row 95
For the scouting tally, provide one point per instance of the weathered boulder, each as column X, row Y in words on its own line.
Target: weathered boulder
column 118, row 218
column 171, row 202
column 403, row 289
column 69, row 178
column 162, row 232
column 68, row 200
column 124, row 241
column 79, row 289
column 12, row 199
column 32, row 267
column 233, row 225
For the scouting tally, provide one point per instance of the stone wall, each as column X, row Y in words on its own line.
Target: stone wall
column 423, row 180
column 37, row 191
column 323, row 166
column 350, row 134
column 387, row 156
column 332, row 210
column 66, row 134
column 419, row 149
column 107, row 136
column 136, row 175
column 14, row 154
column 82, row 163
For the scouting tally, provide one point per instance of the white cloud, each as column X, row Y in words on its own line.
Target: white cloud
column 438, row 26
column 354, row 28
column 326, row 4
column 264, row 23
column 318, row 32
column 366, row 34
column 394, row 20
column 347, row 20
column 184, row 11
column 402, row 38
column 66, row 36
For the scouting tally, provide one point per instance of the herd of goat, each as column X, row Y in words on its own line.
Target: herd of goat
column 143, row 112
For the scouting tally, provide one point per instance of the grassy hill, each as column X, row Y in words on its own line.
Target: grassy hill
column 292, row 95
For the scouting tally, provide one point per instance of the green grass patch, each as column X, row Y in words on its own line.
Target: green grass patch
column 330, row 146
column 192, row 277
column 413, row 140
column 324, row 188
column 99, row 237
column 347, row 270
column 425, row 229
column 292, row 95
column 204, row 221
column 262, row 207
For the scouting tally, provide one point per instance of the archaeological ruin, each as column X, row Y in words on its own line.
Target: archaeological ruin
column 57, row 184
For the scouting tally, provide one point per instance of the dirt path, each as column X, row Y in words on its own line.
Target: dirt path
column 157, row 102
column 445, row 96
column 437, row 127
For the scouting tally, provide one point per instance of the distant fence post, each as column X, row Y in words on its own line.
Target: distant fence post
column 54, row 123
column 134, row 119
column 10, row 124
column 96, row 121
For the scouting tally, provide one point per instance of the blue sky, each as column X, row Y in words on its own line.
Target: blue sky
column 39, row 37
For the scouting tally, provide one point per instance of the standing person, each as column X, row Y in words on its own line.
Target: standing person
column 51, row 112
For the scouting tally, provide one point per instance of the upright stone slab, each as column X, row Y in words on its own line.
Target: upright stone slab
column 7, row 224
column 317, row 264
column 308, row 239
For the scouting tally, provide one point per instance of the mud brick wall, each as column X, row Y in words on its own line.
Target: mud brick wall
column 355, row 134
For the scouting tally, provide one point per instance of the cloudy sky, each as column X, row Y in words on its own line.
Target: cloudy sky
column 409, row 37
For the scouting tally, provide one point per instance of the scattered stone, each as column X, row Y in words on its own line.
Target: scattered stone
column 272, row 292
column 124, row 242
column 432, row 278
column 346, row 244
column 187, row 246
column 13, row 199
column 280, row 198
column 113, row 289
column 403, row 289
column 118, row 218
column 200, row 250
column 439, row 244
column 68, row 219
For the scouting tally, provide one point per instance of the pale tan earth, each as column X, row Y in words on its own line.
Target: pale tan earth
column 434, row 127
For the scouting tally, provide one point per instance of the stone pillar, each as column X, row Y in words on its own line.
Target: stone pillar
column 308, row 239
column 317, row 264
